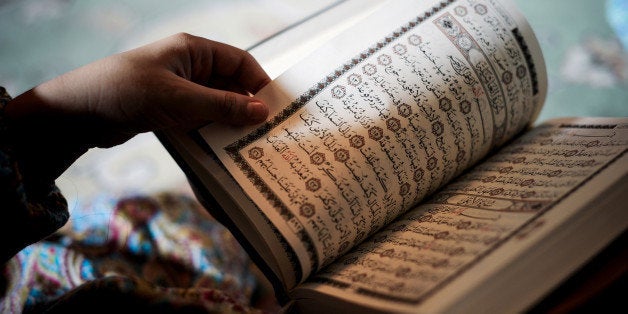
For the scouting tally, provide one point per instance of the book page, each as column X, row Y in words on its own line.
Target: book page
column 501, row 204
column 284, row 49
column 381, row 116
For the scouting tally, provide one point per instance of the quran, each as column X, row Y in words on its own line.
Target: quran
column 401, row 168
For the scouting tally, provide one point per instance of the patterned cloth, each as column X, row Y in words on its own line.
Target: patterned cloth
column 160, row 253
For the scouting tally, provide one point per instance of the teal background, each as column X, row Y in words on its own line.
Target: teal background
column 581, row 40
column 577, row 37
column 42, row 39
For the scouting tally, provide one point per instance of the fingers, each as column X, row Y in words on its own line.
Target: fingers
column 215, row 61
column 228, row 75
column 239, row 65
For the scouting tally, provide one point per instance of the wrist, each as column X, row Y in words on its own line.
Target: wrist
column 42, row 143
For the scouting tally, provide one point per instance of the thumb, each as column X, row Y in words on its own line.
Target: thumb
column 205, row 104
column 233, row 108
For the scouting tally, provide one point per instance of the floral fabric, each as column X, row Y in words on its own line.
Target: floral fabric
column 147, row 253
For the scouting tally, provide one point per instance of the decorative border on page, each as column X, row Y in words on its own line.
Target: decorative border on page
column 290, row 253
column 528, row 56
column 464, row 42
column 233, row 150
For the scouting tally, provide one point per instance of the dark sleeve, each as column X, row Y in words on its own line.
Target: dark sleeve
column 28, row 213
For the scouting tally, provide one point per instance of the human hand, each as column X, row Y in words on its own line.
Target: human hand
column 181, row 81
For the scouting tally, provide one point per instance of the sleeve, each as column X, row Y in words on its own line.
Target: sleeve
column 27, row 213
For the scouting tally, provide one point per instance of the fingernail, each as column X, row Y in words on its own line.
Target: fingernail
column 256, row 111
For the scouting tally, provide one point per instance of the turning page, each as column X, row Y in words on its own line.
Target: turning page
column 381, row 116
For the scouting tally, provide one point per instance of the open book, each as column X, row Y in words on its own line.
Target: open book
column 400, row 169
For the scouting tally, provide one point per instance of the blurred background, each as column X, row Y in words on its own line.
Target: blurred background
column 584, row 43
